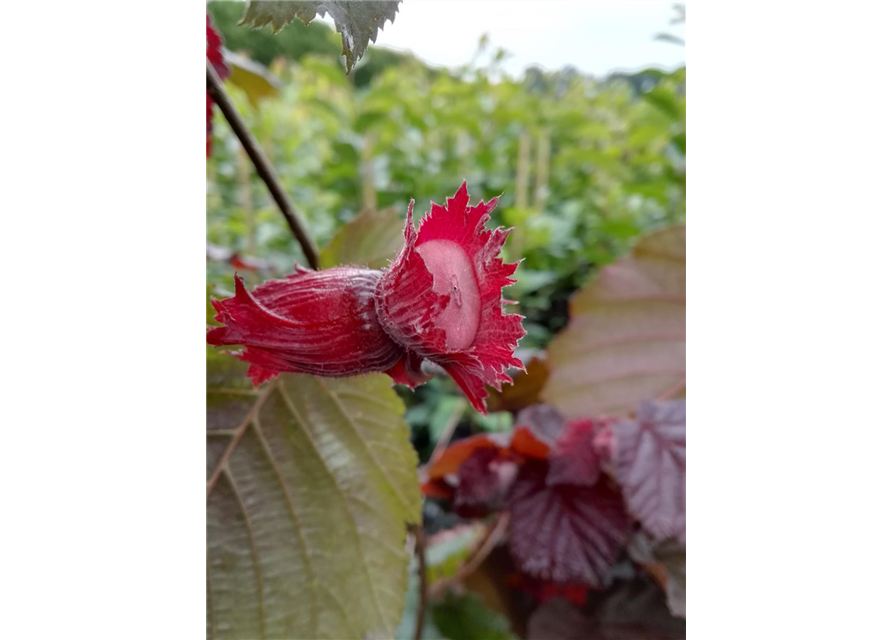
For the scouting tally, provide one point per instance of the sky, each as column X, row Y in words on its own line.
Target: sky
column 601, row 36
column 595, row 36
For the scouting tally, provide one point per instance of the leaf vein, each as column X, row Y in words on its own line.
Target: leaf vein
column 254, row 557
column 341, row 493
column 294, row 515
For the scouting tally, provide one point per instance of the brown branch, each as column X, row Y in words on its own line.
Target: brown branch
column 264, row 168
column 491, row 537
column 419, row 534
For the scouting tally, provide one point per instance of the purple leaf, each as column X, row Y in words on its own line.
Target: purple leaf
column 484, row 479
column 565, row 533
column 544, row 421
column 650, row 467
column 575, row 458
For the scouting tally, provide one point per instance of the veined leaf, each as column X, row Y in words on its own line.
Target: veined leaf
column 252, row 77
column 575, row 458
column 665, row 99
column 650, row 467
column 372, row 239
column 565, row 533
column 626, row 339
column 311, row 482
column 357, row 22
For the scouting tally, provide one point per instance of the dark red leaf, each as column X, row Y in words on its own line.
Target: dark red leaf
column 521, row 444
column 478, row 481
column 565, row 533
column 209, row 117
column 575, row 458
column 215, row 55
column 650, row 467
column 454, row 455
column 477, row 472
column 484, row 479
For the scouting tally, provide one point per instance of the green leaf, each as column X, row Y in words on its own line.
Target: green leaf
column 451, row 617
column 252, row 77
column 494, row 421
column 371, row 239
column 311, row 482
column 368, row 120
column 666, row 100
column 449, row 548
column 626, row 339
column 448, row 409
column 466, row 616
column 528, row 280
column 357, row 22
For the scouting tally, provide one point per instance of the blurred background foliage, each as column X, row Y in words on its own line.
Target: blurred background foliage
column 583, row 167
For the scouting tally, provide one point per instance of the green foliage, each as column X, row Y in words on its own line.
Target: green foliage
column 448, row 550
column 357, row 22
column 251, row 77
column 262, row 46
column 466, row 616
column 583, row 166
column 296, row 41
column 603, row 165
column 307, row 509
column 372, row 239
